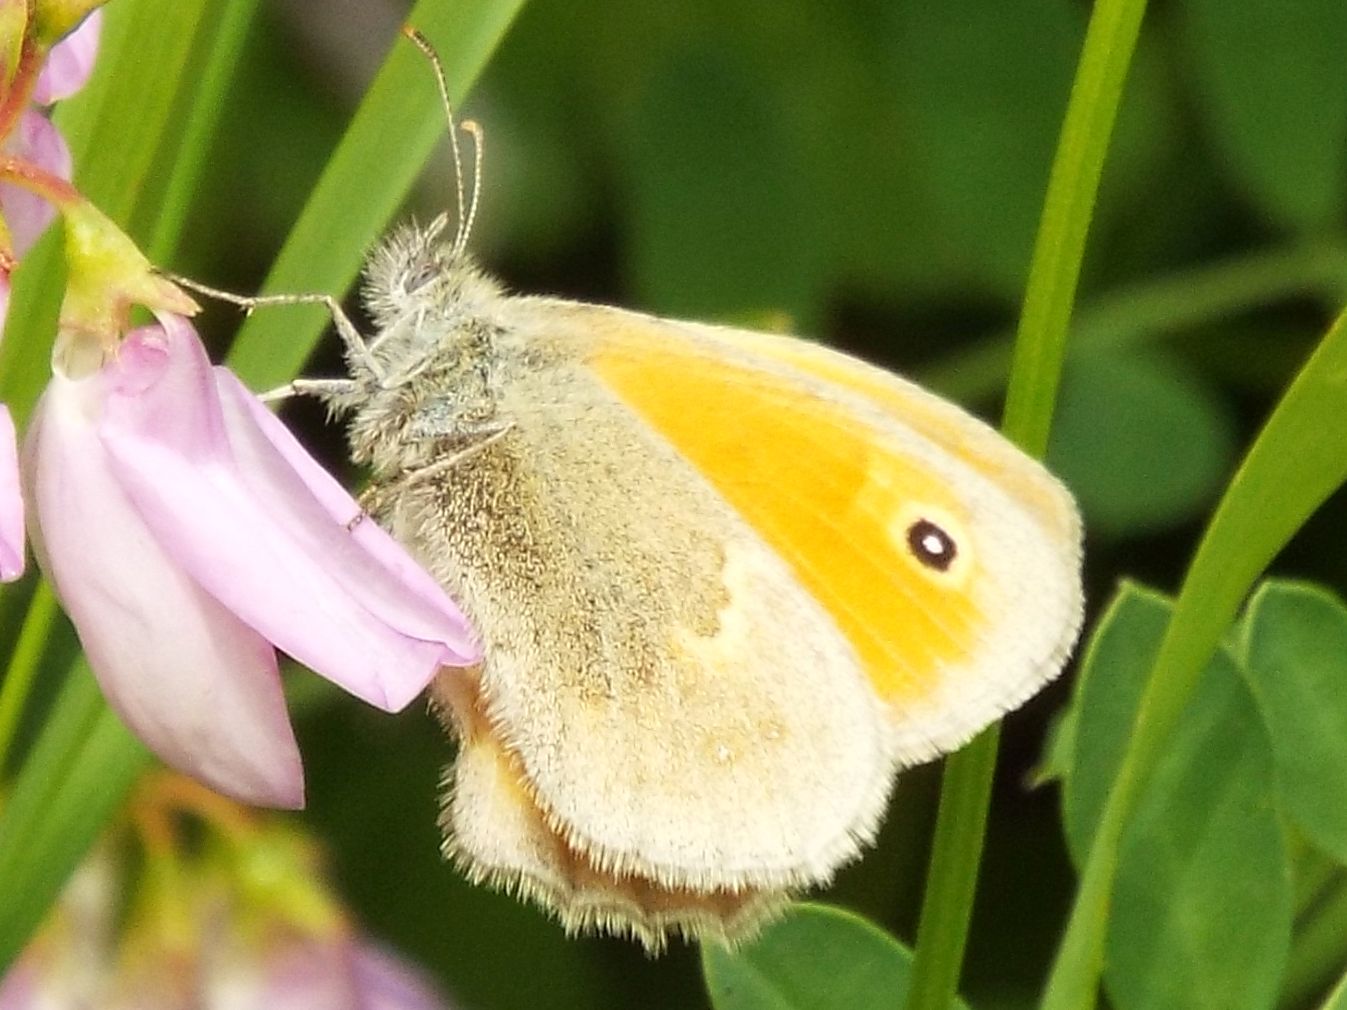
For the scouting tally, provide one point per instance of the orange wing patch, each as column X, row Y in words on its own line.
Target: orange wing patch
column 933, row 417
column 820, row 489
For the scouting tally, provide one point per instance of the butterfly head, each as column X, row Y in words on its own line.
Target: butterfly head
column 427, row 379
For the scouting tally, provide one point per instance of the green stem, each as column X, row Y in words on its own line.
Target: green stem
column 1040, row 348
column 1337, row 998
column 23, row 665
column 951, row 881
column 1040, row 340
column 1153, row 309
column 194, row 145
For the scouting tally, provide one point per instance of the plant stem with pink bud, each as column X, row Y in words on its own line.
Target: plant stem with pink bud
column 52, row 188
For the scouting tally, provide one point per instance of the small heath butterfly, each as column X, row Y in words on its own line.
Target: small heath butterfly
column 727, row 583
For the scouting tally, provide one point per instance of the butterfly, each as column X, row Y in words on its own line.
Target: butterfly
column 727, row 583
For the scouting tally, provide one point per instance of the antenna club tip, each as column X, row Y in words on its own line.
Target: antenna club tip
column 414, row 34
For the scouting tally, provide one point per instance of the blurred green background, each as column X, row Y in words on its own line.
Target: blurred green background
column 870, row 174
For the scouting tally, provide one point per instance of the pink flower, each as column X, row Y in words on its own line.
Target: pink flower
column 27, row 215
column 187, row 533
column 316, row 972
column 384, row 981
column 37, row 141
column 226, row 972
column 11, row 501
column 264, row 934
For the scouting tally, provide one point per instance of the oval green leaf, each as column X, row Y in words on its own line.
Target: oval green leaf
column 1295, row 657
column 1107, row 693
column 1141, row 441
column 816, row 958
column 1203, row 901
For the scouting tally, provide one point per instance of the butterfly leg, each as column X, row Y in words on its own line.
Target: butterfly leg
column 321, row 389
column 350, row 336
column 374, row 499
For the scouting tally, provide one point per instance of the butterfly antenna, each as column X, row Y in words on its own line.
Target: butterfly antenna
column 474, row 130
column 422, row 43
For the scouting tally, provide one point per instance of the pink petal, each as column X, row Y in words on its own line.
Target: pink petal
column 26, row 214
column 11, row 501
column 289, row 973
column 19, row 987
column 386, row 982
column 232, row 511
column 386, row 579
column 70, row 62
column 188, row 677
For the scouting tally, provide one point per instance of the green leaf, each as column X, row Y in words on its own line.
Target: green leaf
column 1104, row 705
column 1274, row 84
column 1059, row 750
column 194, row 141
column 1203, row 907
column 1202, row 914
column 363, row 184
column 1297, row 461
column 817, row 958
column 1148, row 311
column 1142, row 442
column 1320, row 948
column 1295, row 655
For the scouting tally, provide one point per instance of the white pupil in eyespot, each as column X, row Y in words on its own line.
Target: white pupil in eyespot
column 931, row 545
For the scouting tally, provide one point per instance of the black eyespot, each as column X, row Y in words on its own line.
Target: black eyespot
column 420, row 275
column 931, row 545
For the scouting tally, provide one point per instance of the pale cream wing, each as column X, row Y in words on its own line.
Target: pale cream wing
column 835, row 463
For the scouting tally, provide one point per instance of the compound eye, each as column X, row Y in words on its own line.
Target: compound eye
column 931, row 545
column 420, row 275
